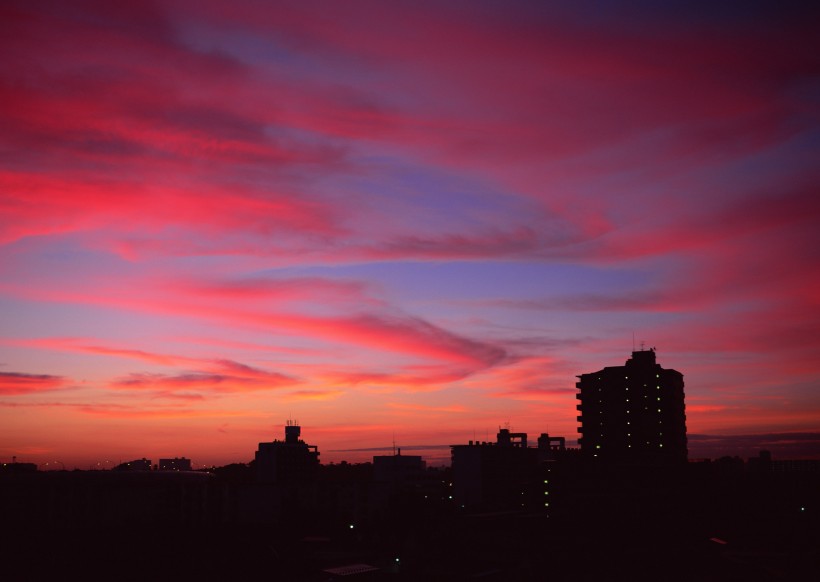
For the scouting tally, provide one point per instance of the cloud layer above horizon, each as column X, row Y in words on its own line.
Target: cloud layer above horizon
column 409, row 220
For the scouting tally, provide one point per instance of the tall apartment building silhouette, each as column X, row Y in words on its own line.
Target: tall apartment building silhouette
column 633, row 413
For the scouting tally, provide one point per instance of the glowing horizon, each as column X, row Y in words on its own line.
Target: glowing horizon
column 411, row 222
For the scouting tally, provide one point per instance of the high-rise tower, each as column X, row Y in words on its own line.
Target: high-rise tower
column 633, row 413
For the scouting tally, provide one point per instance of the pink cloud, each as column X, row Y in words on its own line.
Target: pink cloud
column 110, row 410
column 282, row 291
column 162, row 163
column 411, row 378
column 398, row 333
column 228, row 377
column 81, row 345
column 18, row 384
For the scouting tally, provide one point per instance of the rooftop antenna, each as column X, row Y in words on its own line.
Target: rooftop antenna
column 642, row 343
column 394, row 444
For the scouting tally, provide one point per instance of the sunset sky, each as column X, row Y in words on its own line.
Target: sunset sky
column 411, row 221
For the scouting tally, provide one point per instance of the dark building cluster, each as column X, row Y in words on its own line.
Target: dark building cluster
column 175, row 464
column 625, row 505
column 506, row 474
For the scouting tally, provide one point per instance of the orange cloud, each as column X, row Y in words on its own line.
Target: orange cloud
column 426, row 408
column 314, row 394
column 122, row 411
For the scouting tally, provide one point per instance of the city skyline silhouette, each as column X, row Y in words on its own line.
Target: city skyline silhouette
column 627, row 504
column 412, row 223
column 613, row 380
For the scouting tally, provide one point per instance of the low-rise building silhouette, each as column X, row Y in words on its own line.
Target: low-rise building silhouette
column 175, row 464
column 15, row 467
column 398, row 468
column 291, row 460
column 506, row 474
column 135, row 465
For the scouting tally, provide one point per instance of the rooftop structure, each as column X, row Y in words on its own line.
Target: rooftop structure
column 506, row 474
column 291, row 460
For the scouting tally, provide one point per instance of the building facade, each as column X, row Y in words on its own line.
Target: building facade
column 288, row 461
column 633, row 414
column 507, row 474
